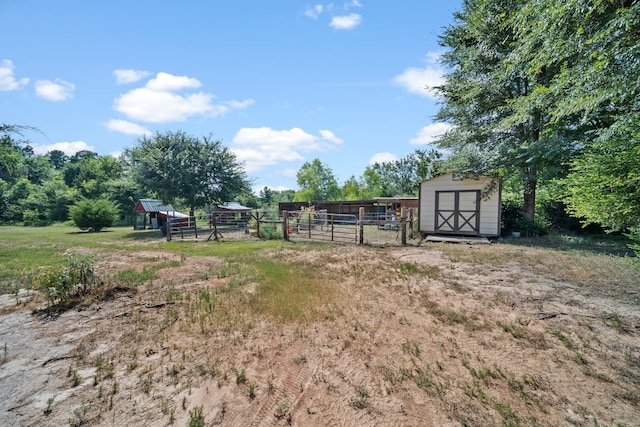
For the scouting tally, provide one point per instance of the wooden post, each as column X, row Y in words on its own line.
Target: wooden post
column 285, row 225
column 167, row 229
column 332, row 228
column 403, row 226
column 361, row 223
column 309, row 225
column 257, row 217
column 195, row 227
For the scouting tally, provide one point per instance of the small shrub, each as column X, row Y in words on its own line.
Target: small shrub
column 60, row 284
column 196, row 418
column 93, row 215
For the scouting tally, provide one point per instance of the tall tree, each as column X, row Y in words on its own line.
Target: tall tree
column 316, row 182
column 486, row 97
column 595, row 88
column 175, row 165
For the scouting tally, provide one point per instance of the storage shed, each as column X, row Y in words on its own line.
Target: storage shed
column 460, row 204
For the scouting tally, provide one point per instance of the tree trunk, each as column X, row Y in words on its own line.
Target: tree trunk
column 529, row 205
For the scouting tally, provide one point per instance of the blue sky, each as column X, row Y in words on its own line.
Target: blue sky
column 278, row 82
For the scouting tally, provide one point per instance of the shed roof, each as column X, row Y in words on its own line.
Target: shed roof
column 150, row 205
column 235, row 206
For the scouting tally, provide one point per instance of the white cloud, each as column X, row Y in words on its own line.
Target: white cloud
column 7, row 79
column 55, row 91
column 69, row 148
column 421, row 81
column 262, row 147
column 314, row 11
column 289, row 173
column 129, row 76
column 383, row 158
column 169, row 82
column 159, row 101
column 429, row 133
column 346, row 22
column 116, row 154
column 127, row 128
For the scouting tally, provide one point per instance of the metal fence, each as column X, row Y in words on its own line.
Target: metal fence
column 366, row 228
column 320, row 226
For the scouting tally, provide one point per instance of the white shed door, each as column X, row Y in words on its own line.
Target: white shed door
column 458, row 212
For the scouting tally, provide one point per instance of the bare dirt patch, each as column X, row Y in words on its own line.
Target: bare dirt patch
column 414, row 336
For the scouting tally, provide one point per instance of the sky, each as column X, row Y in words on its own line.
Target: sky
column 279, row 82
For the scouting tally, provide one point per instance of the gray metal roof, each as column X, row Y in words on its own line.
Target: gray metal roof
column 150, row 205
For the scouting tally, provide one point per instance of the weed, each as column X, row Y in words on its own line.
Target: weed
column 411, row 348
column 196, row 418
column 79, row 416
column 567, row 341
column 300, row 360
column 580, row 360
column 251, row 391
column 282, row 410
column 173, row 373
column 241, row 376
column 361, row 401
column 146, row 384
column 50, row 400
column 509, row 418
column 515, row 330
column 424, row 382
column 271, row 388
column 614, row 321
column 75, row 378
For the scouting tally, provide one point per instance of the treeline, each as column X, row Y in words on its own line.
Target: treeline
column 192, row 173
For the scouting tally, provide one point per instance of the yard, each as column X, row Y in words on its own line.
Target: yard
column 522, row 332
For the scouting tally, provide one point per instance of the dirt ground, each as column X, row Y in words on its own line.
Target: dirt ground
column 410, row 336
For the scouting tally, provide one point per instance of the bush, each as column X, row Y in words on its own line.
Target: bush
column 93, row 215
column 60, row 284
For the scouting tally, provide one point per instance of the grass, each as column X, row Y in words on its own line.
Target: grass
column 289, row 292
column 24, row 250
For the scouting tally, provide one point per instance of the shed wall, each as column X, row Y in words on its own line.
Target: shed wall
column 489, row 208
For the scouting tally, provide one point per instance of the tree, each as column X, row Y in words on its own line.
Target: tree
column 401, row 177
column 487, row 97
column 57, row 159
column 316, row 182
column 93, row 215
column 596, row 55
column 175, row 165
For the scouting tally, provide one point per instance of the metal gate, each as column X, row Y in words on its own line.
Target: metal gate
column 458, row 212
column 322, row 226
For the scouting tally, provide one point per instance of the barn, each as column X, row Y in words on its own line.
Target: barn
column 463, row 204
column 150, row 213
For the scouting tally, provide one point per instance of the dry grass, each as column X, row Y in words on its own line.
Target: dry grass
column 323, row 335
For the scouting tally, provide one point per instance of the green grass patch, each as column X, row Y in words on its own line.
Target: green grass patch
column 292, row 292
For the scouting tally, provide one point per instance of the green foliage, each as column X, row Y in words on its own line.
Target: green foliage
column 175, row 165
column 401, row 177
column 60, row 284
column 317, row 182
column 530, row 104
column 93, row 215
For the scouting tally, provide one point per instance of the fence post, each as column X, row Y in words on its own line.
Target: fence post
column 258, row 224
column 285, row 225
column 361, row 223
column 332, row 228
column 309, row 225
column 167, row 228
column 403, row 226
column 195, row 227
